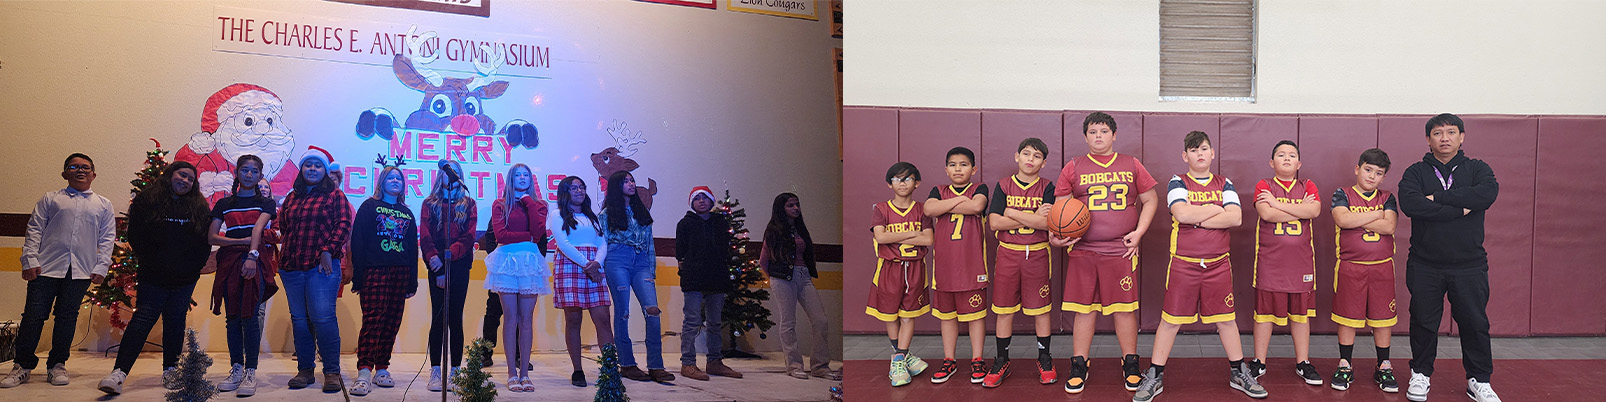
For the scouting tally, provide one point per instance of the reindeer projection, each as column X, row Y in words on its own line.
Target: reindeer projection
column 450, row 104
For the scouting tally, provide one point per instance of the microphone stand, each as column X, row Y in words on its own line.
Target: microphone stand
column 446, row 302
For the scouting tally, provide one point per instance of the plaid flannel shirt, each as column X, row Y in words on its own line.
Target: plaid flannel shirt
column 310, row 224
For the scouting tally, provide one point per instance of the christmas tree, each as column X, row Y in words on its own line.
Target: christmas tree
column 193, row 386
column 610, row 387
column 116, row 293
column 473, row 383
column 744, row 305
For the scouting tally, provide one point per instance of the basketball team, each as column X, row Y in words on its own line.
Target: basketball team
column 1100, row 208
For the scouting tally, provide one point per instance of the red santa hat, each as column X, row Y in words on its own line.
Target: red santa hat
column 699, row 190
column 313, row 152
column 209, row 118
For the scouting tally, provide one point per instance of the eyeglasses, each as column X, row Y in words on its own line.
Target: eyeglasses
column 81, row 168
column 904, row 179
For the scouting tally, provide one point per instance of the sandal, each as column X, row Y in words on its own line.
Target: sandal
column 528, row 386
column 513, row 385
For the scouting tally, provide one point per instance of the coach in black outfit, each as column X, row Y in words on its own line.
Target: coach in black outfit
column 1446, row 196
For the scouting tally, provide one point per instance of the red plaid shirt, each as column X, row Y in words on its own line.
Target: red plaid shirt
column 310, row 224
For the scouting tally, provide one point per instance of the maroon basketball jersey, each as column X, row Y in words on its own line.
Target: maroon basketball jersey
column 1359, row 244
column 1193, row 241
column 1011, row 193
column 1109, row 185
column 1285, row 252
column 958, row 259
column 897, row 220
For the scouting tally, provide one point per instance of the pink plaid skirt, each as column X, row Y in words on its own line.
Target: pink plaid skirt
column 572, row 287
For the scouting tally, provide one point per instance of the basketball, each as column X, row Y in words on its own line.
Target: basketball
column 1069, row 218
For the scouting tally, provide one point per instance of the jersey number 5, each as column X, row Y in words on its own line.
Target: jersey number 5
column 1107, row 198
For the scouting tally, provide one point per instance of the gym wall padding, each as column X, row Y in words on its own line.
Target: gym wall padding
column 1543, row 265
column 1568, row 253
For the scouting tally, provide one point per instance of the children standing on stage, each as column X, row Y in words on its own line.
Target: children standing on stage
column 702, row 248
column 959, row 267
column 1019, row 216
column 632, row 269
column 1100, row 269
column 1363, row 284
column 902, row 234
column 1285, row 260
column 1199, row 275
column 788, row 260
column 517, row 270
column 68, row 247
column 448, row 206
column 578, row 282
column 384, row 257
column 167, row 225
column 246, row 270
column 315, row 221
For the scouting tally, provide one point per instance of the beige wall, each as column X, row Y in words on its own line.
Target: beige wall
column 1313, row 56
column 723, row 98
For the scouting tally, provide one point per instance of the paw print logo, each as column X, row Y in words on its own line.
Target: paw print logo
column 1126, row 283
column 1229, row 300
column 975, row 300
column 1391, row 306
column 1043, row 292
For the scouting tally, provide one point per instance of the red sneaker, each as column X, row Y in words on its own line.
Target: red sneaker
column 995, row 377
column 978, row 370
column 1046, row 373
column 945, row 372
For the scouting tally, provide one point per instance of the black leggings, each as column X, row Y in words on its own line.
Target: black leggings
column 459, row 292
column 493, row 317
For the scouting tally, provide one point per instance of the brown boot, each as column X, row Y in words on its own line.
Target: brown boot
column 694, row 373
column 332, row 382
column 634, row 373
column 719, row 368
column 302, row 379
column 661, row 375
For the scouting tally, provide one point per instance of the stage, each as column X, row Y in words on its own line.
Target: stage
column 764, row 380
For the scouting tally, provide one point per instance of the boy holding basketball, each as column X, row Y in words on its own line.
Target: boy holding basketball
column 1363, row 286
column 959, row 265
column 1285, row 260
column 902, row 231
column 1018, row 215
column 1199, row 275
column 1101, row 272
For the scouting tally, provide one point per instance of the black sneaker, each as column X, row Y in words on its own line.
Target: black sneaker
column 1385, row 380
column 1078, row 379
column 1343, row 377
column 1257, row 368
column 945, row 372
column 978, row 370
column 1129, row 365
column 1308, row 372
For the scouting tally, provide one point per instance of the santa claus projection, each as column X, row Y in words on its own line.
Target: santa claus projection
column 237, row 120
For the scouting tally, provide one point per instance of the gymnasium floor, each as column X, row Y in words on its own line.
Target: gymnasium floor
column 1526, row 369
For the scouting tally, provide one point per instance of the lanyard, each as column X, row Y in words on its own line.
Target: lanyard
column 1442, row 181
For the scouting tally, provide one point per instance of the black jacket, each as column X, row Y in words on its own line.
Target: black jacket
column 171, row 252
column 1441, row 235
column 703, row 248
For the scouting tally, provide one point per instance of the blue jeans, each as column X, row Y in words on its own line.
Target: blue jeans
column 245, row 338
column 171, row 306
column 702, row 312
column 44, row 293
column 629, row 269
column 311, row 295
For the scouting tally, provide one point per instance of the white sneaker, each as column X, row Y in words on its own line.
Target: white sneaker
column 362, row 386
column 17, row 376
column 170, row 379
column 236, row 374
column 1418, row 389
column 434, row 379
column 248, row 384
column 113, row 383
column 383, row 380
column 57, row 375
column 1481, row 391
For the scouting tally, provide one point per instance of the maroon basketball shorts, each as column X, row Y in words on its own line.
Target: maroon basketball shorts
column 1100, row 283
column 899, row 290
column 1020, row 281
column 1198, row 290
column 1364, row 294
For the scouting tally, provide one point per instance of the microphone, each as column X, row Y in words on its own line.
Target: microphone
column 451, row 175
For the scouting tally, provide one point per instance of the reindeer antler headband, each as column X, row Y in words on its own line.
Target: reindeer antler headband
column 381, row 161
